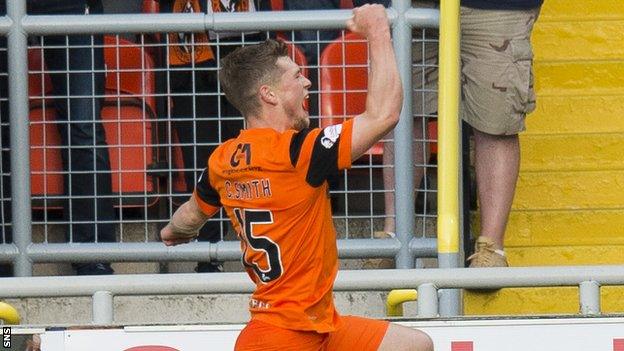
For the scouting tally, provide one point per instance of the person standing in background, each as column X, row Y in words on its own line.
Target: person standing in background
column 75, row 65
column 496, row 95
column 202, row 119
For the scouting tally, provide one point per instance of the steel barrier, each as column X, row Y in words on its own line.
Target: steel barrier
column 428, row 281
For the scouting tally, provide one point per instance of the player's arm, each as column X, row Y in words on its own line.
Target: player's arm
column 385, row 93
column 184, row 224
column 192, row 215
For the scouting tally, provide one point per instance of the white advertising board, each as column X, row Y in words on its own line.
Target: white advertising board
column 559, row 334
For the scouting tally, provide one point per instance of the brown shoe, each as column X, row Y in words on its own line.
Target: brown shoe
column 486, row 256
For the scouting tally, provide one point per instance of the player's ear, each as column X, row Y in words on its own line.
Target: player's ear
column 268, row 95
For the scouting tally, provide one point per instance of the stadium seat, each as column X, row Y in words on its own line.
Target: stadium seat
column 127, row 116
column 344, row 81
column 45, row 154
column 344, row 84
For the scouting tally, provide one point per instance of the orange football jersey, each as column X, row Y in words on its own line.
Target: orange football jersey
column 274, row 189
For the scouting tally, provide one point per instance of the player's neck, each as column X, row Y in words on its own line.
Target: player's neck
column 274, row 119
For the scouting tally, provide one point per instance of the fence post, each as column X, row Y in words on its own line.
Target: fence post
column 448, row 155
column 404, row 170
column 102, row 307
column 427, row 300
column 589, row 297
column 20, row 148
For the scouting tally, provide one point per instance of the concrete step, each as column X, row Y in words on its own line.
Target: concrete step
column 578, row 41
column 565, row 228
column 577, row 114
column 535, row 301
column 569, row 190
column 589, row 10
column 572, row 152
column 595, row 78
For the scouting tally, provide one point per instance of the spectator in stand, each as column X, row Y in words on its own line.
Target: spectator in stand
column 201, row 118
column 497, row 94
column 497, row 91
column 77, row 75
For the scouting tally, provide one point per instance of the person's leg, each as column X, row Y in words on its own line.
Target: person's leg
column 195, row 115
column 424, row 105
column 497, row 161
column 497, row 91
column 79, row 72
column 420, row 154
column 365, row 334
column 400, row 338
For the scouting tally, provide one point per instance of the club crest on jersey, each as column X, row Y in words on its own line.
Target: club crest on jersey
column 330, row 135
column 243, row 151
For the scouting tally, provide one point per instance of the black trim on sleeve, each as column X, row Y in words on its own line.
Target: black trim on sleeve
column 205, row 191
column 324, row 160
column 296, row 143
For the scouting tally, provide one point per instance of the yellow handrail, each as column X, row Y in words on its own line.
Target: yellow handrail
column 448, row 128
column 395, row 300
column 9, row 314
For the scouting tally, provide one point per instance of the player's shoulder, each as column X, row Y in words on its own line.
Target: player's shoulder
column 259, row 147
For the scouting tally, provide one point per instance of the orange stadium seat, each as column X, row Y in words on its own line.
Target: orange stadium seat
column 45, row 153
column 344, row 84
column 344, row 81
column 128, row 114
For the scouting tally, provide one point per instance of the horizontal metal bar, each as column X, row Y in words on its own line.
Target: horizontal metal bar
column 370, row 248
column 5, row 25
column 133, row 252
column 351, row 280
column 198, row 22
column 480, row 278
column 8, row 252
column 281, row 20
column 135, row 284
column 423, row 18
column 197, row 251
column 126, row 23
column 424, row 247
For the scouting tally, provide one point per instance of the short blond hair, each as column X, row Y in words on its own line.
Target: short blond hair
column 246, row 69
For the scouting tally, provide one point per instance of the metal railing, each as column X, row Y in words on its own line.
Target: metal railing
column 24, row 251
column 405, row 248
column 103, row 289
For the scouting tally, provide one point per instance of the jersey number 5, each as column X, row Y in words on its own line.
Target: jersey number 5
column 246, row 219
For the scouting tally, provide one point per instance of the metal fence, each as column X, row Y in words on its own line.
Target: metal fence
column 147, row 138
column 588, row 279
column 143, row 91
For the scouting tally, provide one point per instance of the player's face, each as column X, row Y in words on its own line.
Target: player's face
column 293, row 90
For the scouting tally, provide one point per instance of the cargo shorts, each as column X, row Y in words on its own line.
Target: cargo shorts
column 496, row 69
